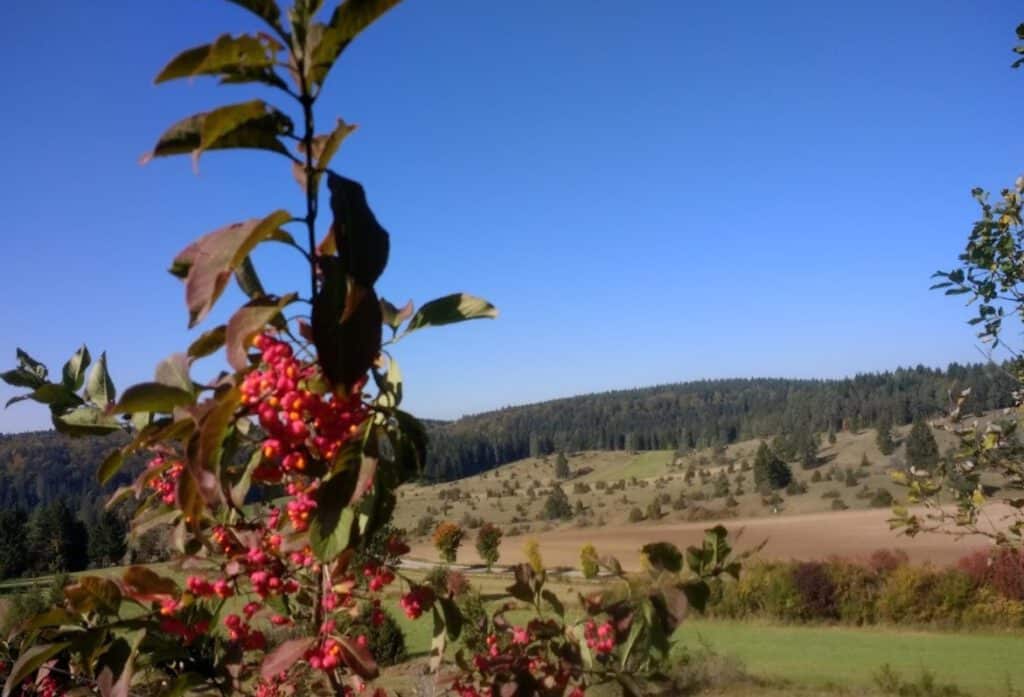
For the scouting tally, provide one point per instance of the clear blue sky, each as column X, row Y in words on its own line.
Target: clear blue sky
column 650, row 192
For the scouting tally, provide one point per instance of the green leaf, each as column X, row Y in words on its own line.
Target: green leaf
column 19, row 377
column 99, row 388
column 346, row 325
column 438, row 643
column 142, row 583
column 205, row 461
column 284, row 657
column 663, row 556
column 174, row 372
column 392, row 316
column 349, row 19
column 26, row 362
column 248, row 280
column 219, row 124
column 227, row 55
column 86, row 421
column 267, row 10
column 358, row 658
column 110, row 466
column 390, row 386
column 697, row 594
column 554, row 602
column 29, row 661
column 208, row 342
column 330, row 530
column 452, row 617
column 208, row 263
column 326, row 146
column 249, row 321
column 457, row 307
column 91, row 593
column 74, row 369
column 362, row 243
column 152, row 397
column 259, row 133
column 56, row 395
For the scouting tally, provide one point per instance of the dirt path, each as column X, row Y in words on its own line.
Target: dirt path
column 850, row 534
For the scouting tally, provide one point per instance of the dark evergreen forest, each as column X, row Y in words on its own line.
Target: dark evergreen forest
column 706, row 413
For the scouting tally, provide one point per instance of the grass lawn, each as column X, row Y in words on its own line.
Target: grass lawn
column 984, row 664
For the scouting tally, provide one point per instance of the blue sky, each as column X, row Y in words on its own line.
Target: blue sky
column 650, row 192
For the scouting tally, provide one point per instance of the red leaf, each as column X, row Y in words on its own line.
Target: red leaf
column 281, row 659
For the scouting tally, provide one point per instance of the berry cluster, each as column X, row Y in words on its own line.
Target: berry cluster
column 302, row 425
column 163, row 475
column 416, row 601
column 600, row 638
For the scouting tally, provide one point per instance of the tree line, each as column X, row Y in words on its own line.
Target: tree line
column 52, row 539
column 708, row 413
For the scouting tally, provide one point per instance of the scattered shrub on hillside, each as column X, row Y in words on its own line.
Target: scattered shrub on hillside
column 679, row 503
column 731, row 502
column 865, row 463
column 831, row 494
column 795, row 488
column 557, row 506
column 471, row 522
column 850, row 478
column 635, row 515
column 882, row 499
column 816, row 477
column 654, row 511
column 425, row 525
column 839, row 505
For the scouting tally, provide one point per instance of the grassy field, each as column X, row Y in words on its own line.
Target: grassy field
column 837, row 660
column 818, row 656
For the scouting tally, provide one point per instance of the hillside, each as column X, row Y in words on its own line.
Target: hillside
column 706, row 413
column 603, row 429
column 839, row 507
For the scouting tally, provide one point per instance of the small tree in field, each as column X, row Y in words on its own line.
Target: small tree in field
column 488, row 543
column 562, row 466
column 532, row 551
column 588, row 561
column 557, row 506
column 922, row 450
column 447, row 539
column 883, row 437
column 769, row 470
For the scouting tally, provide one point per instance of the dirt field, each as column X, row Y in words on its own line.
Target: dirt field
column 850, row 534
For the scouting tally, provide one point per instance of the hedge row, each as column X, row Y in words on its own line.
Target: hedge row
column 982, row 590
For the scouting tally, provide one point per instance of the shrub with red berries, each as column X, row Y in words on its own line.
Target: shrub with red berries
column 277, row 477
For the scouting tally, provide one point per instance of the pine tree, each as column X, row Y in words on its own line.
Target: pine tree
column 107, row 540
column 769, row 470
column 13, row 552
column 883, row 437
column 557, row 506
column 562, row 466
column 922, row 450
column 57, row 541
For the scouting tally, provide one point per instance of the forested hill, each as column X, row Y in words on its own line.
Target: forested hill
column 44, row 466
column 706, row 412
column 40, row 467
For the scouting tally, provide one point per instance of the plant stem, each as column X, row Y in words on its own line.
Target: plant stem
column 311, row 181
